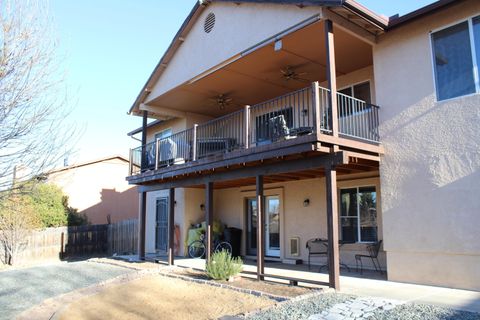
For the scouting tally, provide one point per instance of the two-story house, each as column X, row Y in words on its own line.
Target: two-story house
column 293, row 120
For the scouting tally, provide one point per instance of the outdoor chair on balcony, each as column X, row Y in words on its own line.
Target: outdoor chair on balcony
column 278, row 128
column 373, row 250
column 167, row 154
column 316, row 247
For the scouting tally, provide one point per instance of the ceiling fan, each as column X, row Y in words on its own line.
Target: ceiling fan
column 222, row 101
column 289, row 73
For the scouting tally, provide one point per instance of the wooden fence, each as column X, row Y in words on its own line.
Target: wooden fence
column 83, row 241
column 123, row 237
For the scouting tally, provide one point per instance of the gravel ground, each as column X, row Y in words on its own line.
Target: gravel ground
column 423, row 312
column 301, row 309
column 24, row 288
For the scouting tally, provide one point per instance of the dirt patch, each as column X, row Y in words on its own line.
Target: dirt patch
column 276, row 289
column 159, row 297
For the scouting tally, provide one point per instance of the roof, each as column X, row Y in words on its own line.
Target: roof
column 380, row 21
column 83, row 164
column 139, row 129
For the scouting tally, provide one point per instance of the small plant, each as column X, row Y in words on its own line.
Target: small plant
column 222, row 266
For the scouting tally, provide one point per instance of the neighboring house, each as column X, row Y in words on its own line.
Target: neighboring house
column 243, row 104
column 98, row 189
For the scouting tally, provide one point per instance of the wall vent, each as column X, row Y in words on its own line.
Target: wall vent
column 209, row 22
column 295, row 246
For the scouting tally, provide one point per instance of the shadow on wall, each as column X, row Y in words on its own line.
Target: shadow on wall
column 114, row 206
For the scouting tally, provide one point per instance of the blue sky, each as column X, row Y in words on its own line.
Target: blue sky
column 110, row 48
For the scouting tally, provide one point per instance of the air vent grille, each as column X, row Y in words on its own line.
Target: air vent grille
column 295, row 246
column 209, row 22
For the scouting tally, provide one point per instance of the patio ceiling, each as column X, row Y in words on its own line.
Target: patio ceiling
column 257, row 76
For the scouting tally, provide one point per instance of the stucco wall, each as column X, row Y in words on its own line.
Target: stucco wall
column 296, row 220
column 98, row 190
column 253, row 23
column 431, row 168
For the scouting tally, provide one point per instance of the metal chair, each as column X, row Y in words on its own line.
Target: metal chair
column 316, row 247
column 373, row 250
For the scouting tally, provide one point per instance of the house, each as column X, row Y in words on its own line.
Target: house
column 293, row 120
column 98, row 189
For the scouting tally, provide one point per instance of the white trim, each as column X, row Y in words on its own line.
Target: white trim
column 474, row 55
column 161, row 131
column 475, row 70
column 357, row 188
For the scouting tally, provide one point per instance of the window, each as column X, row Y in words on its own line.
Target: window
column 456, row 52
column 360, row 91
column 358, row 214
column 163, row 134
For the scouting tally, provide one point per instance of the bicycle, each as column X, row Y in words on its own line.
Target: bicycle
column 197, row 248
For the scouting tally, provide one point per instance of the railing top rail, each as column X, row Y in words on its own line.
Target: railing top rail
column 280, row 97
column 356, row 99
column 226, row 116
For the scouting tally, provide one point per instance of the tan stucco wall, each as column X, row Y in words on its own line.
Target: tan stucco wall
column 296, row 220
column 431, row 168
column 98, row 190
column 253, row 23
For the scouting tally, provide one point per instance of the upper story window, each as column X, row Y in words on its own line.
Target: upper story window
column 456, row 52
column 360, row 91
column 163, row 134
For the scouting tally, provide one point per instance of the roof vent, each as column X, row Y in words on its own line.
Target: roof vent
column 209, row 22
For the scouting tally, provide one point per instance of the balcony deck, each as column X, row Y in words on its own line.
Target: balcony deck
column 287, row 128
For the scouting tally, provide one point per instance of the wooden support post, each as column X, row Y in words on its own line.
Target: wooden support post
column 317, row 108
column 331, row 77
column 194, row 144
column 247, row 127
column 332, row 228
column 142, row 221
column 260, row 229
column 209, row 219
column 171, row 225
column 143, row 161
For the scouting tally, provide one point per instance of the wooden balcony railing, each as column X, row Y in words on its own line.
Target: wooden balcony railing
column 302, row 112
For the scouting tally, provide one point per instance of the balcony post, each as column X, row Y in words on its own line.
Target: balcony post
column 260, row 228
column 130, row 162
column 247, row 126
column 143, row 161
column 209, row 219
column 194, row 147
column 142, row 227
column 332, row 228
column 316, row 107
column 171, row 225
column 156, row 153
column 331, row 77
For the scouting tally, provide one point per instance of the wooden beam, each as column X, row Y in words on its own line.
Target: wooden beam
column 331, row 77
column 142, row 221
column 143, row 157
column 171, row 225
column 332, row 228
column 209, row 219
column 267, row 169
column 260, row 228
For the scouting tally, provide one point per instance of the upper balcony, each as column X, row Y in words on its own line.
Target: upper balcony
column 300, row 121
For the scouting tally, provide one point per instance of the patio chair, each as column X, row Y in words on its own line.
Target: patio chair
column 278, row 128
column 373, row 250
column 316, row 247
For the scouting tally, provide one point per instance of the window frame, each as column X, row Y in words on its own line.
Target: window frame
column 352, row 85
column 475, row 63
column 162, row 131
column 340, row 216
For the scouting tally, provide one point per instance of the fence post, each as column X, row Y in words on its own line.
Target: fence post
column 247, row 126
column 194, row 147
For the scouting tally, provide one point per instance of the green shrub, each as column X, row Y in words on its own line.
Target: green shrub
column 222, row 266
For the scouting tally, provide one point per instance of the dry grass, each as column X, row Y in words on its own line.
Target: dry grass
column 159, row 297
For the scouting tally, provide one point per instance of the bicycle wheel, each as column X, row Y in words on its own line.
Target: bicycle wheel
column 223, row 245
column 196, row 249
